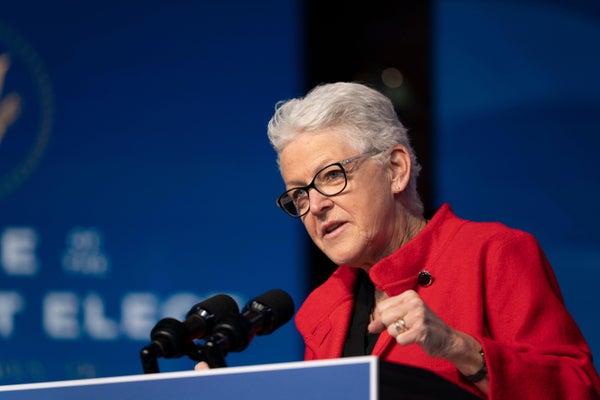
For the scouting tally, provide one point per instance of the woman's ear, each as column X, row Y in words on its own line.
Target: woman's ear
column 399, row 165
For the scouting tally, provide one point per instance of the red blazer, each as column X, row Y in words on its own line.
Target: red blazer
column 489, row 281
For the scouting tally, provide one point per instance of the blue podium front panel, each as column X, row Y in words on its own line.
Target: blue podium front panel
column 348, row 379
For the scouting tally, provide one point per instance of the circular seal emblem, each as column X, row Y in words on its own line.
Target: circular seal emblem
column 26, row 110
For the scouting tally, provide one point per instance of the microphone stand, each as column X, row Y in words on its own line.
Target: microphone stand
column 232, row 333
column 149, row 356
column 209, row 352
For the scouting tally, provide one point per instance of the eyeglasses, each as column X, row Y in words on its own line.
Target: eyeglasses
column 329, row 181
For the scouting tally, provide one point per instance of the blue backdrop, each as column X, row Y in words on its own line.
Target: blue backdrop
column 517, row 107
column 136, row 177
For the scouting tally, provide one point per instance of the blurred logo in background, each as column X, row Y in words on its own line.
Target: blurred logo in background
column 26, row 110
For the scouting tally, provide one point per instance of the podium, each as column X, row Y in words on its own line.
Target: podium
column 356, row 378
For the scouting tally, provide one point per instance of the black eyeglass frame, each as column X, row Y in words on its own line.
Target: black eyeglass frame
column 312, row 185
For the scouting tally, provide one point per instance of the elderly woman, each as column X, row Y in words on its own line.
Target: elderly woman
column 475, row 303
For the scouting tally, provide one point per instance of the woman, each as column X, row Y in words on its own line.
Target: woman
column 475, row 303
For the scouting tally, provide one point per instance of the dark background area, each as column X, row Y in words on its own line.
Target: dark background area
column 357, row 44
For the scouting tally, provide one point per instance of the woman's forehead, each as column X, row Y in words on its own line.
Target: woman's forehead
column 311, row 151
column 319, row 143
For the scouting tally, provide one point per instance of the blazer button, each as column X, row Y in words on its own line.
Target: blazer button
column 424, row 279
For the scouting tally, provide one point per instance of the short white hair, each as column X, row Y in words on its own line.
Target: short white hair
column 369, row 117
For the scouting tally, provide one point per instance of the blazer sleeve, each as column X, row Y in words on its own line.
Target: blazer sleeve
column 533, row 349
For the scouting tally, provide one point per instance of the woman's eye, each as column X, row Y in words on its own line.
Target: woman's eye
column 333, row 175
column 298, row 195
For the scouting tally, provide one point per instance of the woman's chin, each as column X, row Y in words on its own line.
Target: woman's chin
column 348, row 260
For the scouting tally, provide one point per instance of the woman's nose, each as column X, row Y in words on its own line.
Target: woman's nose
column 318, row 202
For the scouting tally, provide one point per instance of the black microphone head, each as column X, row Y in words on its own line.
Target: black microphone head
column 217, row 305
column 171, row 336
column 275, row 306
column 202, row 317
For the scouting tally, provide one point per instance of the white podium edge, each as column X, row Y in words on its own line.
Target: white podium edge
column 370, row 360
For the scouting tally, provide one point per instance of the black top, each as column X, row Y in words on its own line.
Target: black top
column 358, row 341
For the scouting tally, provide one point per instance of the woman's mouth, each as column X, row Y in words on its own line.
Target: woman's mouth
column 331, row 227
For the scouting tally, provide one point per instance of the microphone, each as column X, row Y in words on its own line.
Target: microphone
column 172, row 338
column 260, row 316
column 269, row 311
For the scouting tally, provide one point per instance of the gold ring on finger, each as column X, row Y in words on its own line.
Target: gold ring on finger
column 400, row 325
